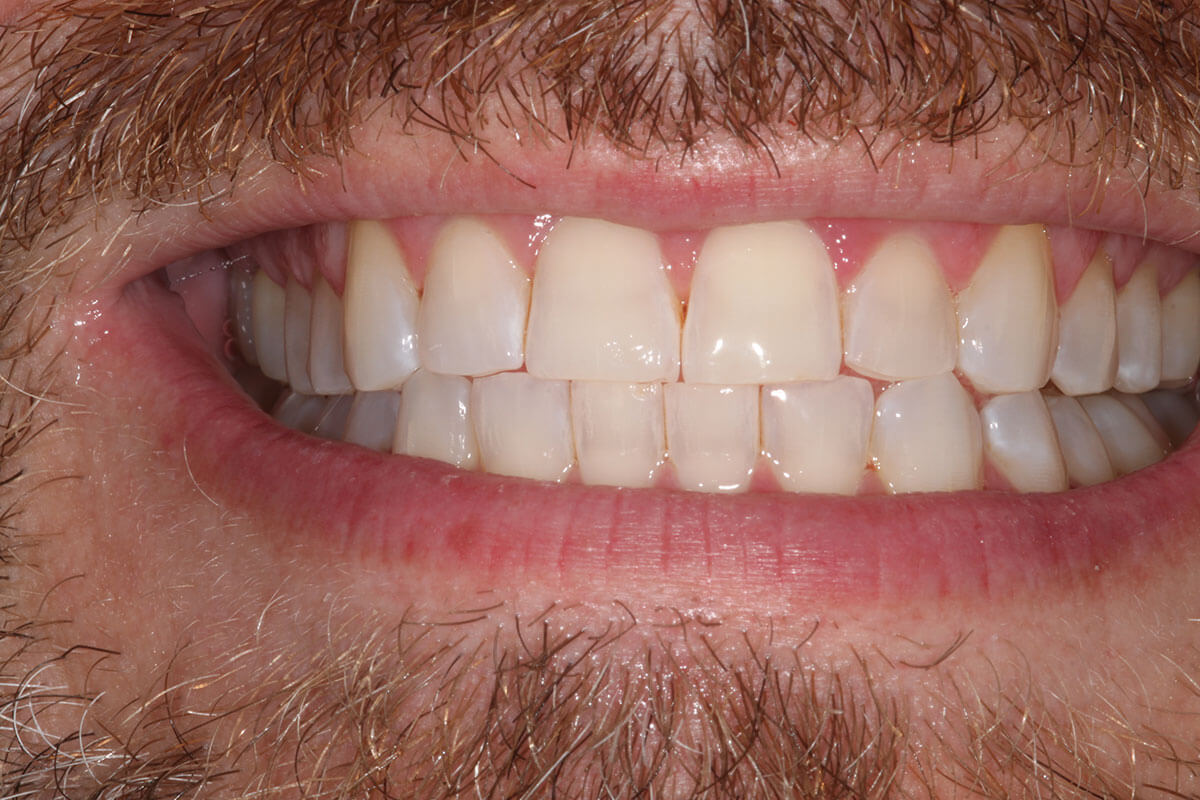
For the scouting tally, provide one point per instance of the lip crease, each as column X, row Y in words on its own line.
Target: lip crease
column 393, row 511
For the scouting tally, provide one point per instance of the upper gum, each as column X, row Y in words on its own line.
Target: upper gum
column 959, row 247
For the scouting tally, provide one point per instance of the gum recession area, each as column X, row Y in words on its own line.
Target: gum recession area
column 399, row 512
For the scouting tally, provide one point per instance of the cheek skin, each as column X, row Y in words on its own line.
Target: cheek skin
column 143, row 564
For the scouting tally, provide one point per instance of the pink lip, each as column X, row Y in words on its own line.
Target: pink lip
column 356, row 505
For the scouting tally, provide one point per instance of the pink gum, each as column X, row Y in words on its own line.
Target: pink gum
column 959, row 248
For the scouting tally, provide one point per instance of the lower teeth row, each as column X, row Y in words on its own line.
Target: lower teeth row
column 843, row 436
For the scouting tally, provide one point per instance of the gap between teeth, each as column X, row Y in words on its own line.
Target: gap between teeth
column 576, row 372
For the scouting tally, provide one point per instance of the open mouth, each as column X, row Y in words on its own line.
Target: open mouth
column 524, row 393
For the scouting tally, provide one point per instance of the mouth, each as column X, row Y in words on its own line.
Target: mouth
column 849, row 409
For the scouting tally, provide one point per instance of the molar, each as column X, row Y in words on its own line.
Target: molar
column 1007, row 315
column 899, row 315
column 602, row 308
column 1130, row 445
column 241, row 292
column 381, row 305
column 474, row 305
column 763, row 308
column 816, row 434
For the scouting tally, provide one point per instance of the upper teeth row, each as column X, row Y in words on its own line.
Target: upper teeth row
column 764, row 307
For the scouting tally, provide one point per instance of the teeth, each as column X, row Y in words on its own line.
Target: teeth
column 268, row 314
column 1181, row 330
column 381, row 310
column 372, row 420
column 1175, row 414
column 712, row 435
column 1129, row 444
column 1083, row 450
column 332, row 421
column 301, row 412
column 475, row 303
column 435, row 419
column 816, row 434
column 620, row 434
column 241, row 292
column 602, row 307
column 1087, row 334
column 926, row 437
column 1008, row 313
column 524, row 425
column 763, row 308
column 296, row 317
column 326, row 367
column 1021, row 444
column 1139, row 333
column 1140, row 410
column 900, row 320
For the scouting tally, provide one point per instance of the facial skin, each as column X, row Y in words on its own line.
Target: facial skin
column 169, row 632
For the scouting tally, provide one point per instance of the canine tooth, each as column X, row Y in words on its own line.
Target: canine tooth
column 296, row 317
column 1138, row 406
column 602, row 307
column 241, row 293
column 1007, row 315
column 1129, row 444
column 620, row 435
column 763, row 308
column 1019, row 439
column 1181, row 330
column 326, row 366
column 899, row 315
column 372, row 420
column 712, row 435
column 268, row 313
column 927, row 437
column 816, row 434
column 300, row 412
column 475, row 303
column 332, row 423
column 435, row 419
column 1139, row 333
column 1086, row 362
column 1176, row 414
column 1083, row 450
column 523, row 425
column 381, row 304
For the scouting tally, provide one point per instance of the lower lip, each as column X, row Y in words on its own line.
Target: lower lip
column 397, row 511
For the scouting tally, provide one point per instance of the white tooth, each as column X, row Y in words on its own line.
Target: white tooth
column 475, row 303
column 336, row 412
column 1083, row 450
column 926, row 437
column 899, row 315
column 300, row 412
column 435, row 419
column 242, row 294
column 1140, row 410
column 712, row 435
column 1020, row 441
column 296, row 317
column 1139, row 333
column 1086, row 362
column 1181, row 330
column 602, row 307
column 1007, row 316
column 1130, row 446
column 372, row 420
column 620, row 436
column 763, row 307
column 816, row 434
column 326, row 367
column 524, row 425
column 268, row 312
column 1176, row 414
column 381, row 309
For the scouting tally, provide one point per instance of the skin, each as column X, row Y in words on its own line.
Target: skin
column 168, row 636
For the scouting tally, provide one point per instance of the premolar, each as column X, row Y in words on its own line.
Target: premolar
column 1086, row 362
column 1139, row 333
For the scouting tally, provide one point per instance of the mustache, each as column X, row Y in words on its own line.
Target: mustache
column 122, row 98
